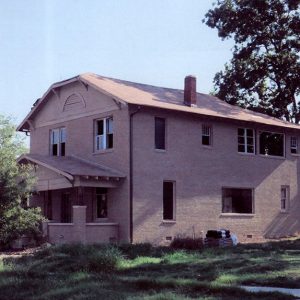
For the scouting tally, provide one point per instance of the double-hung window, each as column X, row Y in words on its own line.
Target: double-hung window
column 58, row 138
column 104, row 134
column 206, row 135
column 285, row 195
column 294, row 145
column 246, row 140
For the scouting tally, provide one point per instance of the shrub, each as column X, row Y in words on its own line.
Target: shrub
column 134, row 250
column 187, row 243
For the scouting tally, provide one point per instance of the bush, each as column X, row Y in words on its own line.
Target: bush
column 187, row 243
column 19, row 222
column 134, row 250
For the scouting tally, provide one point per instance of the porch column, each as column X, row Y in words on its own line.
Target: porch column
column 79, row 195
column 79, row 221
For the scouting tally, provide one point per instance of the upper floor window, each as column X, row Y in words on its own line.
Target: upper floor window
column 160, row 133
column 294, row 144
column 246, row 140
column 285, row 191
column 104, row 134
column 58, row 141
column 206, row 135
column 271, row 143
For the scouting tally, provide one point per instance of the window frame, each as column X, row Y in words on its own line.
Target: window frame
column 286, row 199
column 294, row 147
column 284, row 144
column 59, row 130
column 245, row 140
column 105, row 135
column 165, row 134
column 174, row 202
column 210, row 135
column 238, row 213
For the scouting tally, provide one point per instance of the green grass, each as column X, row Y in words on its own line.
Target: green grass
column 154, row 273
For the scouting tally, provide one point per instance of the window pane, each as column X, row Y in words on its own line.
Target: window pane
column 241, row 131
column 241, row 140
column 249, row 132
column 250, row 149
column 100, row 127
column 250, row 141
column 109, row 141
column 241, row 148
column 54, row 149
column 101, row 202
column 109, row 125
column 55, row 136
column 63, row 135
column 160, row 133
column 236, row 200
column 168, row 200
column 271, row 143
column 62, row 149
column 205, row 140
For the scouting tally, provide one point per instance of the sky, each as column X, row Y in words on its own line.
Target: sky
column 156, row 42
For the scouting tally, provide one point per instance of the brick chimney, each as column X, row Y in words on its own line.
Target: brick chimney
column 190, row 95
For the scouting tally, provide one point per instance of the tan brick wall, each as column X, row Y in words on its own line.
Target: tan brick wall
column 200, row 173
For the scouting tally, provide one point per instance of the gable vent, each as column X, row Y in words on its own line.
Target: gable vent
column 74, row 101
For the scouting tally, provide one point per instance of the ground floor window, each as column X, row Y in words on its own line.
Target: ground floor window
column 285, row 191
column 237, row 200
column 169, row 200
column 101, row 203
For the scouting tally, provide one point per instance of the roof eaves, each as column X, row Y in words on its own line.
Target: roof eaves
column 38, row 162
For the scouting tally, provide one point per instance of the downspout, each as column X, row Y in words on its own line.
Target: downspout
column 131, row 172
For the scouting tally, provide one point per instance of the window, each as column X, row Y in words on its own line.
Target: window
column 160, row 133
column 169, row 200
column 285, row 195
column 294, row 144
column 101, row 203
column 271, row 143
column 237, row 200
column 58, row 141
column 246, row 140
column 104, row 134
column 206, row 135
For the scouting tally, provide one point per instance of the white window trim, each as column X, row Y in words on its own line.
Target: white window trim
column 294, row 146
column 246, row 142
column 271, row 156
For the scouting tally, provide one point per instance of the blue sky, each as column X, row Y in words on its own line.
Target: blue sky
column 157, row 42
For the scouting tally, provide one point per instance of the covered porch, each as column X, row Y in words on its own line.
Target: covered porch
column 77, row 197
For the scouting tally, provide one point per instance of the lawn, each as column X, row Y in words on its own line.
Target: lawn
column 145, row 272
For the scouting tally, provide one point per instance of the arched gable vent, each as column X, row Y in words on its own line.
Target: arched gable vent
column 74, row 101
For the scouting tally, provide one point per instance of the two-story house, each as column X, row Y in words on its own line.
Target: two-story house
column 123, row 161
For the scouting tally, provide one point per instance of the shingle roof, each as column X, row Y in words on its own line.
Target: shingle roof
column 164, row 98
column 70, row 166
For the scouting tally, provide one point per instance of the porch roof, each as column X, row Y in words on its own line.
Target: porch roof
column 71, row 166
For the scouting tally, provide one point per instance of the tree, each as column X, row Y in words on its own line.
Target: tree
column 264, row 72
column 16, row 185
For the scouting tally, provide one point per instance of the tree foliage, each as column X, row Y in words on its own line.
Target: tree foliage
column 264, row 72
column 16, row 185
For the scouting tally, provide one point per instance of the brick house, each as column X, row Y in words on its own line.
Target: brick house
column 123, row 161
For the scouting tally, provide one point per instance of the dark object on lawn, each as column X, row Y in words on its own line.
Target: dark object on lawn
column 218, row 238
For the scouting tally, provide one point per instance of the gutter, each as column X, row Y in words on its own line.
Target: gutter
column 131, row 172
